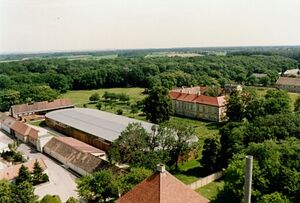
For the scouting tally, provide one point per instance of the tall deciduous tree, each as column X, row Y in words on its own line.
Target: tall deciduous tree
column 127, row 181
column 98, row 187
column 158, row 106
column 210, row 154
column 24, row 193
column 277, row 101
column 5, row 191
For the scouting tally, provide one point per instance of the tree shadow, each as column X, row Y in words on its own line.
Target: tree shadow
column 198, row 172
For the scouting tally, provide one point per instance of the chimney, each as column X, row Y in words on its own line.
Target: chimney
column 199, row 93
column 160, row 168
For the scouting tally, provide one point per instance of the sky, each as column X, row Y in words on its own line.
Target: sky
column 73, row 25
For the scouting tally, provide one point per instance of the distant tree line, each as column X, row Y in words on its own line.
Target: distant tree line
column 37, row 80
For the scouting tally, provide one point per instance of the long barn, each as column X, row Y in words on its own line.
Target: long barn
column 94, row 127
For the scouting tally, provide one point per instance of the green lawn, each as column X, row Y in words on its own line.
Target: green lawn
column 80, row 97
column 211, row 190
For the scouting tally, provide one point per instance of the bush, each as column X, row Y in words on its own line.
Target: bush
column 45, row 178
column 17, row 157
column 94, row 97
column 72, row 200
column 119, row 111
column 51, row 199
column 99, row 105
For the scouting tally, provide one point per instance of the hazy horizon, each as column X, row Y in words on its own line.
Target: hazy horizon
column 31, row 26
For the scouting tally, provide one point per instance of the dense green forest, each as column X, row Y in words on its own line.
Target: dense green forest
column 22, row 81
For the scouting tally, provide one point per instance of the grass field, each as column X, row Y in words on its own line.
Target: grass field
column 211, row 190
column 172, row 54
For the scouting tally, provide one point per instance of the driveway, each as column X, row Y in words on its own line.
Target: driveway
column 62, row 182
column 4, row 141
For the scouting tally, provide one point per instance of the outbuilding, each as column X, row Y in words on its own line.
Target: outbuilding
column 94, row 127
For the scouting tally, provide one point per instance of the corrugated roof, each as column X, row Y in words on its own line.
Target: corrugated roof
column 102, row 124
column 77, row 153
column 161, row 187
column 13, row 171
column 41, row 106
column 288, row 81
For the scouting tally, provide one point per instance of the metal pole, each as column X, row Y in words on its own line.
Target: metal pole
column 248, row 179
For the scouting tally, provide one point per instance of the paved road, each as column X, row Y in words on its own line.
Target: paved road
column 62, row 182
column 4, row 141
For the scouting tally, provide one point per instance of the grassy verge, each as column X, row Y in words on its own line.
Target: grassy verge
column 211, row 190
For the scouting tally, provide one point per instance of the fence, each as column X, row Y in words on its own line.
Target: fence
column 206, row 180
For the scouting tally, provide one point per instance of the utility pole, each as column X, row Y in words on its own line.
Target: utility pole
column 248, row 179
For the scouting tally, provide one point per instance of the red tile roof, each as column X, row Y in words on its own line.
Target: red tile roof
column 41, row 106
column 25, row 130
column 13, row 171
column 161, row 187
column 77, row 153
column 200, row 99
column 288, row 81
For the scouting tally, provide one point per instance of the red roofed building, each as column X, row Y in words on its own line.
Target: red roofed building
column 12, row 172
column 192, row 102
column 161, row 187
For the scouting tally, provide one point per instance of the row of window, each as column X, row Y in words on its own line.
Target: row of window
column 196, row 107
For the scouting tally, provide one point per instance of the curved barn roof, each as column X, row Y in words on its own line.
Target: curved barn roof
column 101, row 124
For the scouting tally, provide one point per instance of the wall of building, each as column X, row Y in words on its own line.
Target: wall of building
column 199, row 111
column 5, row 128
column 290, row 88
column 43, row 139
column 20, row 137
column 77, row 134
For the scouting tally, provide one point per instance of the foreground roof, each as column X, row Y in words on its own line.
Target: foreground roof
column 77, row 153
column 101, row 124
column 41, row 106
column 162, row 187
column 12, row 172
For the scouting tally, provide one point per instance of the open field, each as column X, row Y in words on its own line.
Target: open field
column 80, row 97
column 172, row 54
